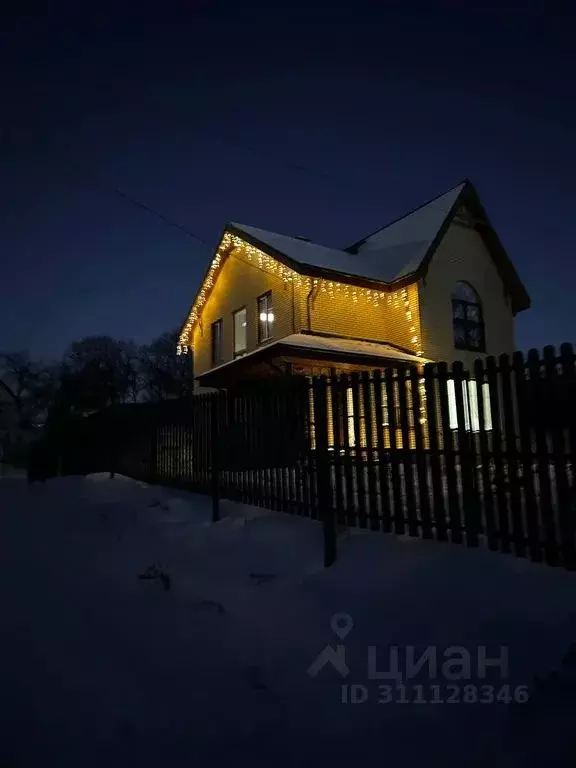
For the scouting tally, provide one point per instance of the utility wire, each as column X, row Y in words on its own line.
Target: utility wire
column 161, row 216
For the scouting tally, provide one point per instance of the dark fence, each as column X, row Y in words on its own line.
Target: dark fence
column 475, row 457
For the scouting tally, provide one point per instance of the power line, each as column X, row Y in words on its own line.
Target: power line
column 89, row 172
column 288, row 163
column 161, row 216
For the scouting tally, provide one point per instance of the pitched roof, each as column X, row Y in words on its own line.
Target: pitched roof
column 399, row 251
column 401, row 246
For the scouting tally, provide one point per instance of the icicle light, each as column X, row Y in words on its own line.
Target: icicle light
column 233, row 245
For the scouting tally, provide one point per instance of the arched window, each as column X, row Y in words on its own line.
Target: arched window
column 467, row 318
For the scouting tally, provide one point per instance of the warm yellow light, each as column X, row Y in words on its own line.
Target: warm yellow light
column 243, row 250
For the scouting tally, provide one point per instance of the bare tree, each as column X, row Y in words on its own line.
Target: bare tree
column 99, row 371
column 166, row 375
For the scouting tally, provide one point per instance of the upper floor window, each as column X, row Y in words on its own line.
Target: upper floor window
column 467, row 318
column 217, row 345
column 265, row 317
column 240, row 324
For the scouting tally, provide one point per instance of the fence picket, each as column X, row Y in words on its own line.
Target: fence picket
column 421, row 489
column 382, row 463
column 530, row 505
column 347, row 427
column 485, row 458
column 359, row 463
column 449, row 457
column 337, row 439
column 469, row 507
column 512, row 478
column 499, row 475
column 372, row 497
column 439, row 520
column 389, row 377
column 564, row 512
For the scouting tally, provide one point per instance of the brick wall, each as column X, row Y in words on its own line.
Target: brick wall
column 383, row 319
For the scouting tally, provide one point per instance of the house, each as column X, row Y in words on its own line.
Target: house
column 434, row 285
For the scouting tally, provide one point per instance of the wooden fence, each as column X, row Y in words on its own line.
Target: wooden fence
column 475, row 457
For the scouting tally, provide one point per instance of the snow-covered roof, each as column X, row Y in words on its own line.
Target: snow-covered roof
column 304, row 251
column 331, row 344
column 400, row 247
column 390, row 253
column 350, row 346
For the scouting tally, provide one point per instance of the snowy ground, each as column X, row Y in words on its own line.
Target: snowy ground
column 99, row 667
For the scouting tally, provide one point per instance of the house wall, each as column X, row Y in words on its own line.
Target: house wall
column 239, row 284
column 392, row 318
column 462, row 255
column 383, row 319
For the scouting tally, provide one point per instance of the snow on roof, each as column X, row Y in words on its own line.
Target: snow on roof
column 389, row 254
column 350, row 346
column 305, row 252
column 400, row 246
column 329, row 344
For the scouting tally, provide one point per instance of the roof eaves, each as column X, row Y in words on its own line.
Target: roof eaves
column 313, row 270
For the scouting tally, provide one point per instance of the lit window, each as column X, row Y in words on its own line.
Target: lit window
column 469, row 406
column 240, row 325
column 217, row 347
column 265, row 317
column 350, row 410
column 467, row 320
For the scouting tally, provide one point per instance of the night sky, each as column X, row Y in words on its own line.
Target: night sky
column 322, row 121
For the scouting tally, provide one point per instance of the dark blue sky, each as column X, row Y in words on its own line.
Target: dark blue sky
column 322, row 121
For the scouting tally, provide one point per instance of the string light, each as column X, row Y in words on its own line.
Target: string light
column 234, row 245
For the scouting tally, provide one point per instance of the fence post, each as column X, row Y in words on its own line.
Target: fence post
column 323, row 470
column 214, row 401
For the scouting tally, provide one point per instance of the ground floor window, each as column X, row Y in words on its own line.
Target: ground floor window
column 470, row 406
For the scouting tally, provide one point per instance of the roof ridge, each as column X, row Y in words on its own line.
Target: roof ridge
column 353, row 248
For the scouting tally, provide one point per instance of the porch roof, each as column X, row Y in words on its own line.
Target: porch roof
column 306, row 344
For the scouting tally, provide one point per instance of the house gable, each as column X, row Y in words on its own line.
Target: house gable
column 462, row 255
column 417, row 235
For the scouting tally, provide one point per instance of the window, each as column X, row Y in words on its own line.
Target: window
column 467, row 319
column 265, row 317
column 469, row 406
column 240, row 342
column 217, row 342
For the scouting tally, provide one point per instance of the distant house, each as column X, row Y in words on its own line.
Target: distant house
column 433, row 285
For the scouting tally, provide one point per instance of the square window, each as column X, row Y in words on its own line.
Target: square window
column 240, row 337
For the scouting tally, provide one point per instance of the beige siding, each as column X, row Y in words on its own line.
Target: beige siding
column 334, row 309
column 383, row 319
column 239, row 284
column 462, row 255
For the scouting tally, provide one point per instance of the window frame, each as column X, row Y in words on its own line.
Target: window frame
column 268, row 324
column 217, row 323
column 464, row 324
column 245, row 349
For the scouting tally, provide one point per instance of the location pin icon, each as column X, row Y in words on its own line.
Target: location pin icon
column 341, row 624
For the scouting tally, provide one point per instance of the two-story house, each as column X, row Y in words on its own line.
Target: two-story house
column 434, row 285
